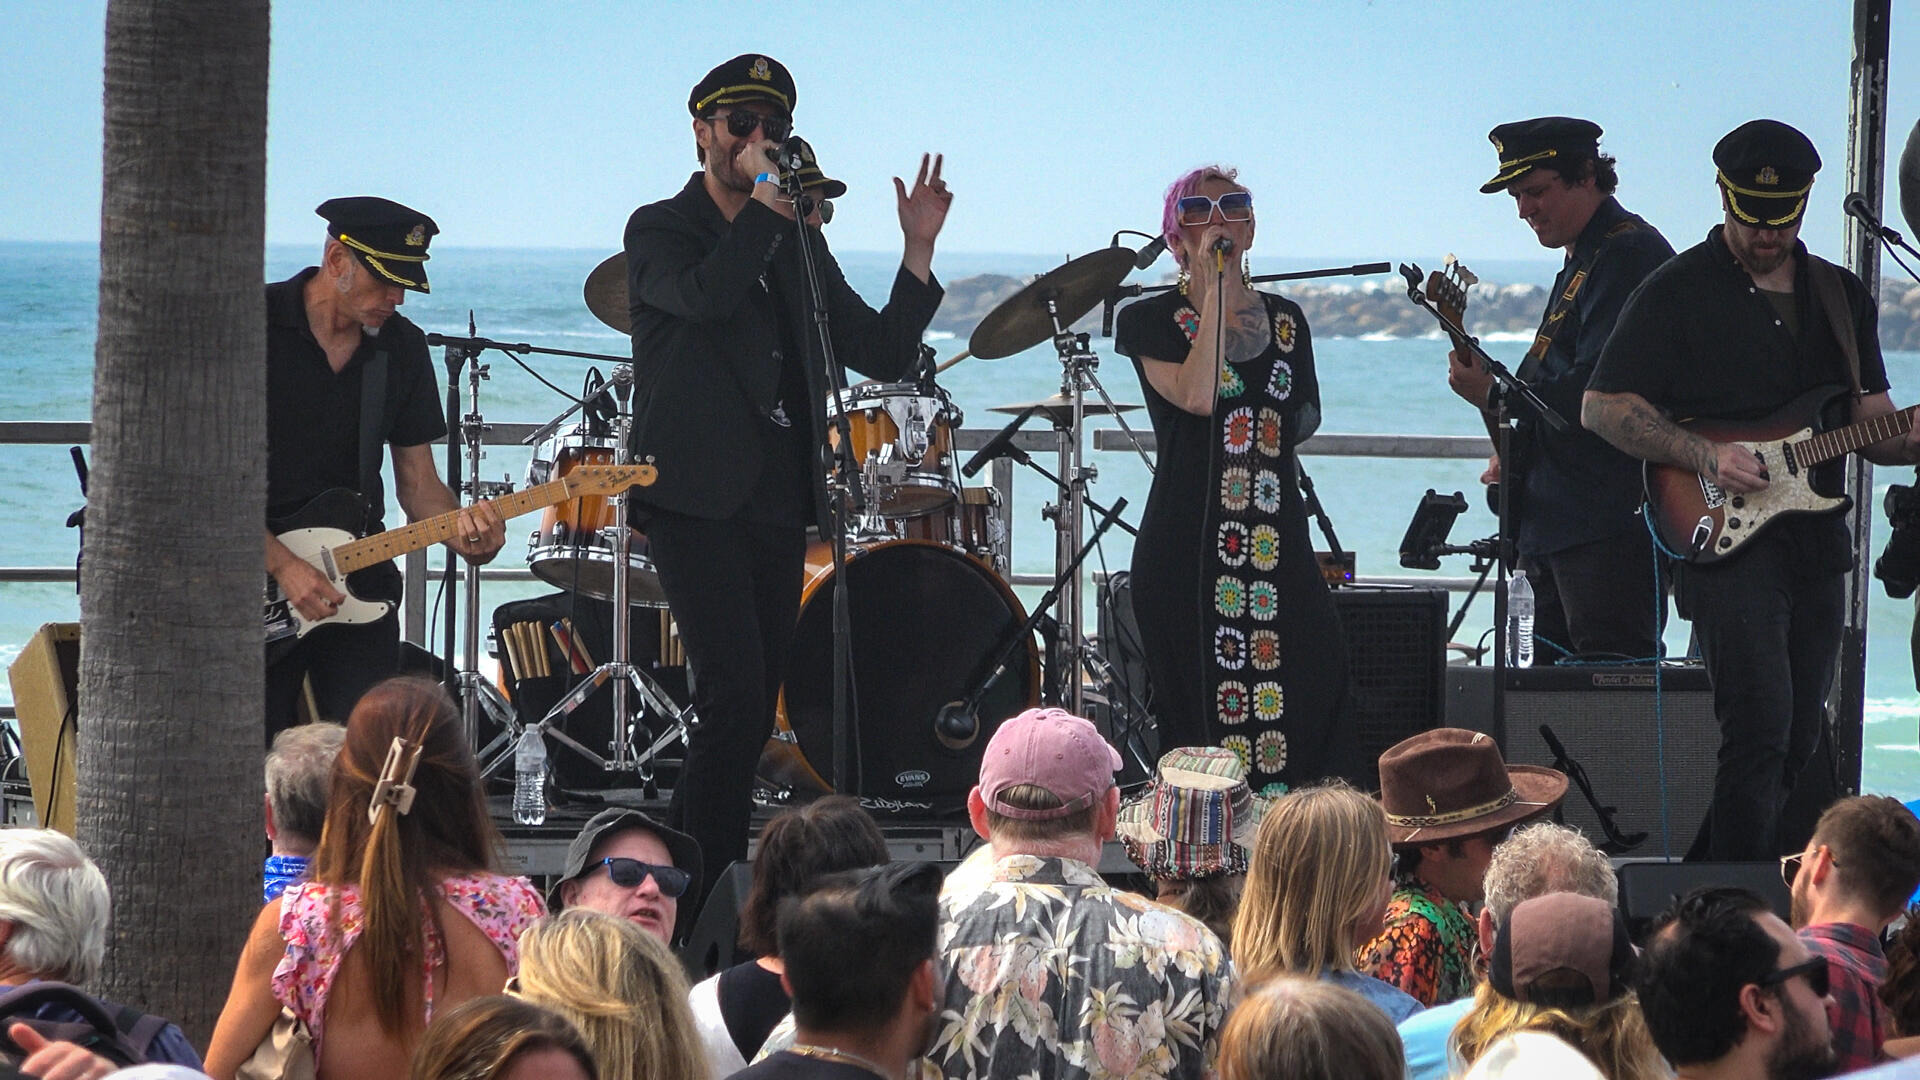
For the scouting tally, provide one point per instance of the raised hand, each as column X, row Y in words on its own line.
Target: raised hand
column 924, row 209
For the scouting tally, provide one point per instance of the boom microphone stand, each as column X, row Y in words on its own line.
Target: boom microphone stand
column 847, row 500
column 1506, row 387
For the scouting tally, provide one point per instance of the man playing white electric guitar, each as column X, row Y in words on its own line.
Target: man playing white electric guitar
column 1729, row 331
column 347, row 375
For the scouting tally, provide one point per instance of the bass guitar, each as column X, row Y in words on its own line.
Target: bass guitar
column 322, row 533
column 1704, row 523
column 1447, row 288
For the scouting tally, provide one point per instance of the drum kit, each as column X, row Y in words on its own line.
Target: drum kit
column 940, row 641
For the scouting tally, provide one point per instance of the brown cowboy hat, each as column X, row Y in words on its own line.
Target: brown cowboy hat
column 1448, row 782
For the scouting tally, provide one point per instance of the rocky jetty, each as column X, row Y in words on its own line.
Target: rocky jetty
column 1381, row 309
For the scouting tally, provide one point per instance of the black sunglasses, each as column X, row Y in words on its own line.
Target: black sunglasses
column 741, row 122
column 1815, row 970
column 629, row 873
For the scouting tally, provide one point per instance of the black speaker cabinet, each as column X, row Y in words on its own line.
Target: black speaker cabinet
column 1605, row 717
column 1649, row 888
column 1397, row 663
column 1396, row 660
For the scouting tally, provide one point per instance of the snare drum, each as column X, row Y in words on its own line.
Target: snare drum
column 903, row 438
column 573, row 548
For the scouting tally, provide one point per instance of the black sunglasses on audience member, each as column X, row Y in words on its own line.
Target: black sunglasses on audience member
column 628, row 873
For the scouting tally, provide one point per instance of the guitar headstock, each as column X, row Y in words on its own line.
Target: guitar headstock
column 607, row 479
column 1447, row 288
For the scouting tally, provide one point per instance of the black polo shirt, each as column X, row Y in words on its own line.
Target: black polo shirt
column 313, row 412
column 1698, row 339
column 1576, row 487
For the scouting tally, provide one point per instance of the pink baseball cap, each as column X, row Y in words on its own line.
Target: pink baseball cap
column 1051, row 749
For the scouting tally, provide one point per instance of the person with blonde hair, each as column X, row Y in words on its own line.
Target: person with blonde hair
column 1306, row 1029
column 1316, row 889
column 403, row 912
column 1559, row 979
column 501, row 1038
column 620, row 987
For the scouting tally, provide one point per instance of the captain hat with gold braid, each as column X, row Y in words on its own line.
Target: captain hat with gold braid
column 388, row 238
column 1549, row 141
column 1765, row 169
column 748, row 77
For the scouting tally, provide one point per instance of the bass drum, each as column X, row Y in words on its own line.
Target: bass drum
column 928, row 623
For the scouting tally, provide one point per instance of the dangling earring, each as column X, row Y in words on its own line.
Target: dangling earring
column 1183, row 281
column 1246, row 272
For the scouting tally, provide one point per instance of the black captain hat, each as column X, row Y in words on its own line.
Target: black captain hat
column 1525, row 145
column 388, row 238
column 1766, row 168
column 811, row 178
column 747, row 77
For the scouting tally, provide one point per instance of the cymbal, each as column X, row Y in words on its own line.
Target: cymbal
column 1075, row 287
column 1059, row 405
column 607, row 292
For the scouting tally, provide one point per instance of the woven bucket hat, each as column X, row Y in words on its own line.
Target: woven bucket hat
column 1195, row 819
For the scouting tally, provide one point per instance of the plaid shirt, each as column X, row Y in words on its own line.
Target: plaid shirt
column 1855, row 967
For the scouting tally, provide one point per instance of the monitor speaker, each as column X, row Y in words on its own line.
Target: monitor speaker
column 1397, row 663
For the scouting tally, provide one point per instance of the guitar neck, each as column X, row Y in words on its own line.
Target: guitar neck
column 440, row 528
column 1840, row 441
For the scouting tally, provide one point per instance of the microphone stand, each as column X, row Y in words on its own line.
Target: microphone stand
column 456, row 359
column 1506, row 386
column 957, row 725
column 846, row 499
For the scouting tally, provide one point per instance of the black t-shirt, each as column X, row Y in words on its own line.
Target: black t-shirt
column 787, row 1065
column 752, row 1002
column 313, row 412
column 1699, row 340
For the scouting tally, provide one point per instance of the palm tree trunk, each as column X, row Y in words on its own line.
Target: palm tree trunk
column 170, row 588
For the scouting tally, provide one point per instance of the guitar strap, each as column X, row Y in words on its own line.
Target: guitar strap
column 1824, row 277
column 1557, row 314
column 373, row 401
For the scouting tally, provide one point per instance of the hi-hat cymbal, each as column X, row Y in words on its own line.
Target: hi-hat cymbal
column 1059, row 405
column 1075, row 287
column 607, row 292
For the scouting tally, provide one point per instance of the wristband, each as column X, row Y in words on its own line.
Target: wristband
column 767, row 178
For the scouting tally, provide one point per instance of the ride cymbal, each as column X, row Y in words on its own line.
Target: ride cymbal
column 1075, row 287
column 607, row 292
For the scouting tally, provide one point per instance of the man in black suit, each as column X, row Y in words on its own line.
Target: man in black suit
column 729, row 403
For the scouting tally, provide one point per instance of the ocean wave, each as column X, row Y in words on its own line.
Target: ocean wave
column 937, row 335
column 1508, row 335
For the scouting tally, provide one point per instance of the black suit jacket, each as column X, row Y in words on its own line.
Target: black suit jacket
column 706, row 361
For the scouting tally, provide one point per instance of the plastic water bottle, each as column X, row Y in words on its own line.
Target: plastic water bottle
column 529, row 778
column 1519, row 620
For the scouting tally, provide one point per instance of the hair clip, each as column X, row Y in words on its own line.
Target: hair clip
column 393, row 789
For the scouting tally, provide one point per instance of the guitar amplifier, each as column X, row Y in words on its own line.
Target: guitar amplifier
column 1645, row 756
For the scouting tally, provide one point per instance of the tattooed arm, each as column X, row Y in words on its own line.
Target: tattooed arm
column 1630, row 422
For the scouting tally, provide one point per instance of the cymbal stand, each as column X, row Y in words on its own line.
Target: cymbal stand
column 619, row 669
column 475, row 692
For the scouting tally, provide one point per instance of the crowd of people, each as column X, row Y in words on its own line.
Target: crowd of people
column 400, row 947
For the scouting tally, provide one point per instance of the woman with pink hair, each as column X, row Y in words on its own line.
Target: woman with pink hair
column 1241, row 640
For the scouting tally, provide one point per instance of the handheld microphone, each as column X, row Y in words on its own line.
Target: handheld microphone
column 997, row 447
column 1223, row 245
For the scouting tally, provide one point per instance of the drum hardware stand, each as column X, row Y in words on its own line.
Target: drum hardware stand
column 618, row 670
column 1506, row 387
column 474, row 692
column 618, row 667
column 847, row 498
column 957, row 724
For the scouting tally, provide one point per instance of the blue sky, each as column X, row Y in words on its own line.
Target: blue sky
column 1360, row 126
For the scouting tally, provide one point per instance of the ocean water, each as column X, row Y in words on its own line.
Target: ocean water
column 47, row 320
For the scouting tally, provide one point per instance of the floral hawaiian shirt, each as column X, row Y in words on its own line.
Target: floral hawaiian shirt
column 1052, row 973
